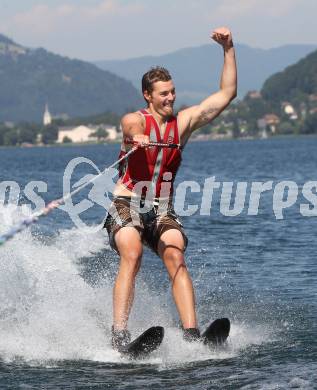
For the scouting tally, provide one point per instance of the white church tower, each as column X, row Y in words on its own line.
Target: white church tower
column 47, row 118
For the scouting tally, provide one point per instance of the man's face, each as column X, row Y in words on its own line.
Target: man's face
column 162, row 97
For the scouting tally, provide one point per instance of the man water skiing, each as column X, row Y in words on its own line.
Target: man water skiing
column 159, row 227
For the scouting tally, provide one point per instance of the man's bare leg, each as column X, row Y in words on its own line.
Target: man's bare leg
column 171, row 251
column 130, row 248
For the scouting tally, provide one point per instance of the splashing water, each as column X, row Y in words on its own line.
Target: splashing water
column 49, row 311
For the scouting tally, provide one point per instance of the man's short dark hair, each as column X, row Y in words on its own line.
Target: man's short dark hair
column 155, row 74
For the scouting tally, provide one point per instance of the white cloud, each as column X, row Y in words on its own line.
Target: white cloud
column 233, row 9
column 101, row 29
column 45, row 19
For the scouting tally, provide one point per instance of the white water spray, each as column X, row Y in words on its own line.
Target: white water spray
column 49, row 312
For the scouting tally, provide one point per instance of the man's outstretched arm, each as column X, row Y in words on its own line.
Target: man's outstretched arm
column 194, row 117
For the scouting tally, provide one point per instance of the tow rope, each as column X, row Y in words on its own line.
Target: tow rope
column 54, row 204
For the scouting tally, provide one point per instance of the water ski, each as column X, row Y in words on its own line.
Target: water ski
column 145, row 344
column 217, row 332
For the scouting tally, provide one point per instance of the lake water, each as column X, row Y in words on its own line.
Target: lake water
column 261, row 272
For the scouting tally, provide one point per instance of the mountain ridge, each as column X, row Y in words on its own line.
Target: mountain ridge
column 296, row 82
column 204, row 64
column 30, row 78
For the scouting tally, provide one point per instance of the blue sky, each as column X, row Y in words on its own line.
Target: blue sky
column 110, row 29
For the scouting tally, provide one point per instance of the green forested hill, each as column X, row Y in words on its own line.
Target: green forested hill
column 295, row 83
column 30, row 78
column 287, row 104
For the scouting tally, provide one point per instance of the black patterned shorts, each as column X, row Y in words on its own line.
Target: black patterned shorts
column 150, row 224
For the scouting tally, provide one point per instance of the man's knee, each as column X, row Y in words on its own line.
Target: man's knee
column 131, row 261
column 175, row 262
column 174, row 256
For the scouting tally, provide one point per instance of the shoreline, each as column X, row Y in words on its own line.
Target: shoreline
column 199, row 138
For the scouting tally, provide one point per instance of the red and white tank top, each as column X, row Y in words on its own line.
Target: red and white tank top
column 154, row 165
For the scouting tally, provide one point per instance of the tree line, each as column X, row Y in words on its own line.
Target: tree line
column 34, row 133
column 27, row 133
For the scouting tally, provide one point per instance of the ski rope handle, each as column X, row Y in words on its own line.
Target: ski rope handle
column 151, row 144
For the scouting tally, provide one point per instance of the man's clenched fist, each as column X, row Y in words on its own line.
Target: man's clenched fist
column 222, row 35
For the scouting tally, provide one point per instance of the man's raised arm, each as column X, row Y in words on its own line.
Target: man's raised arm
column 194, row 117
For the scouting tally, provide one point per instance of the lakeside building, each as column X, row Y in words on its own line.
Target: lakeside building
column 47, row 117
column 254, row 95
column 83, row 133
column 268, row 122
column 289, row 110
